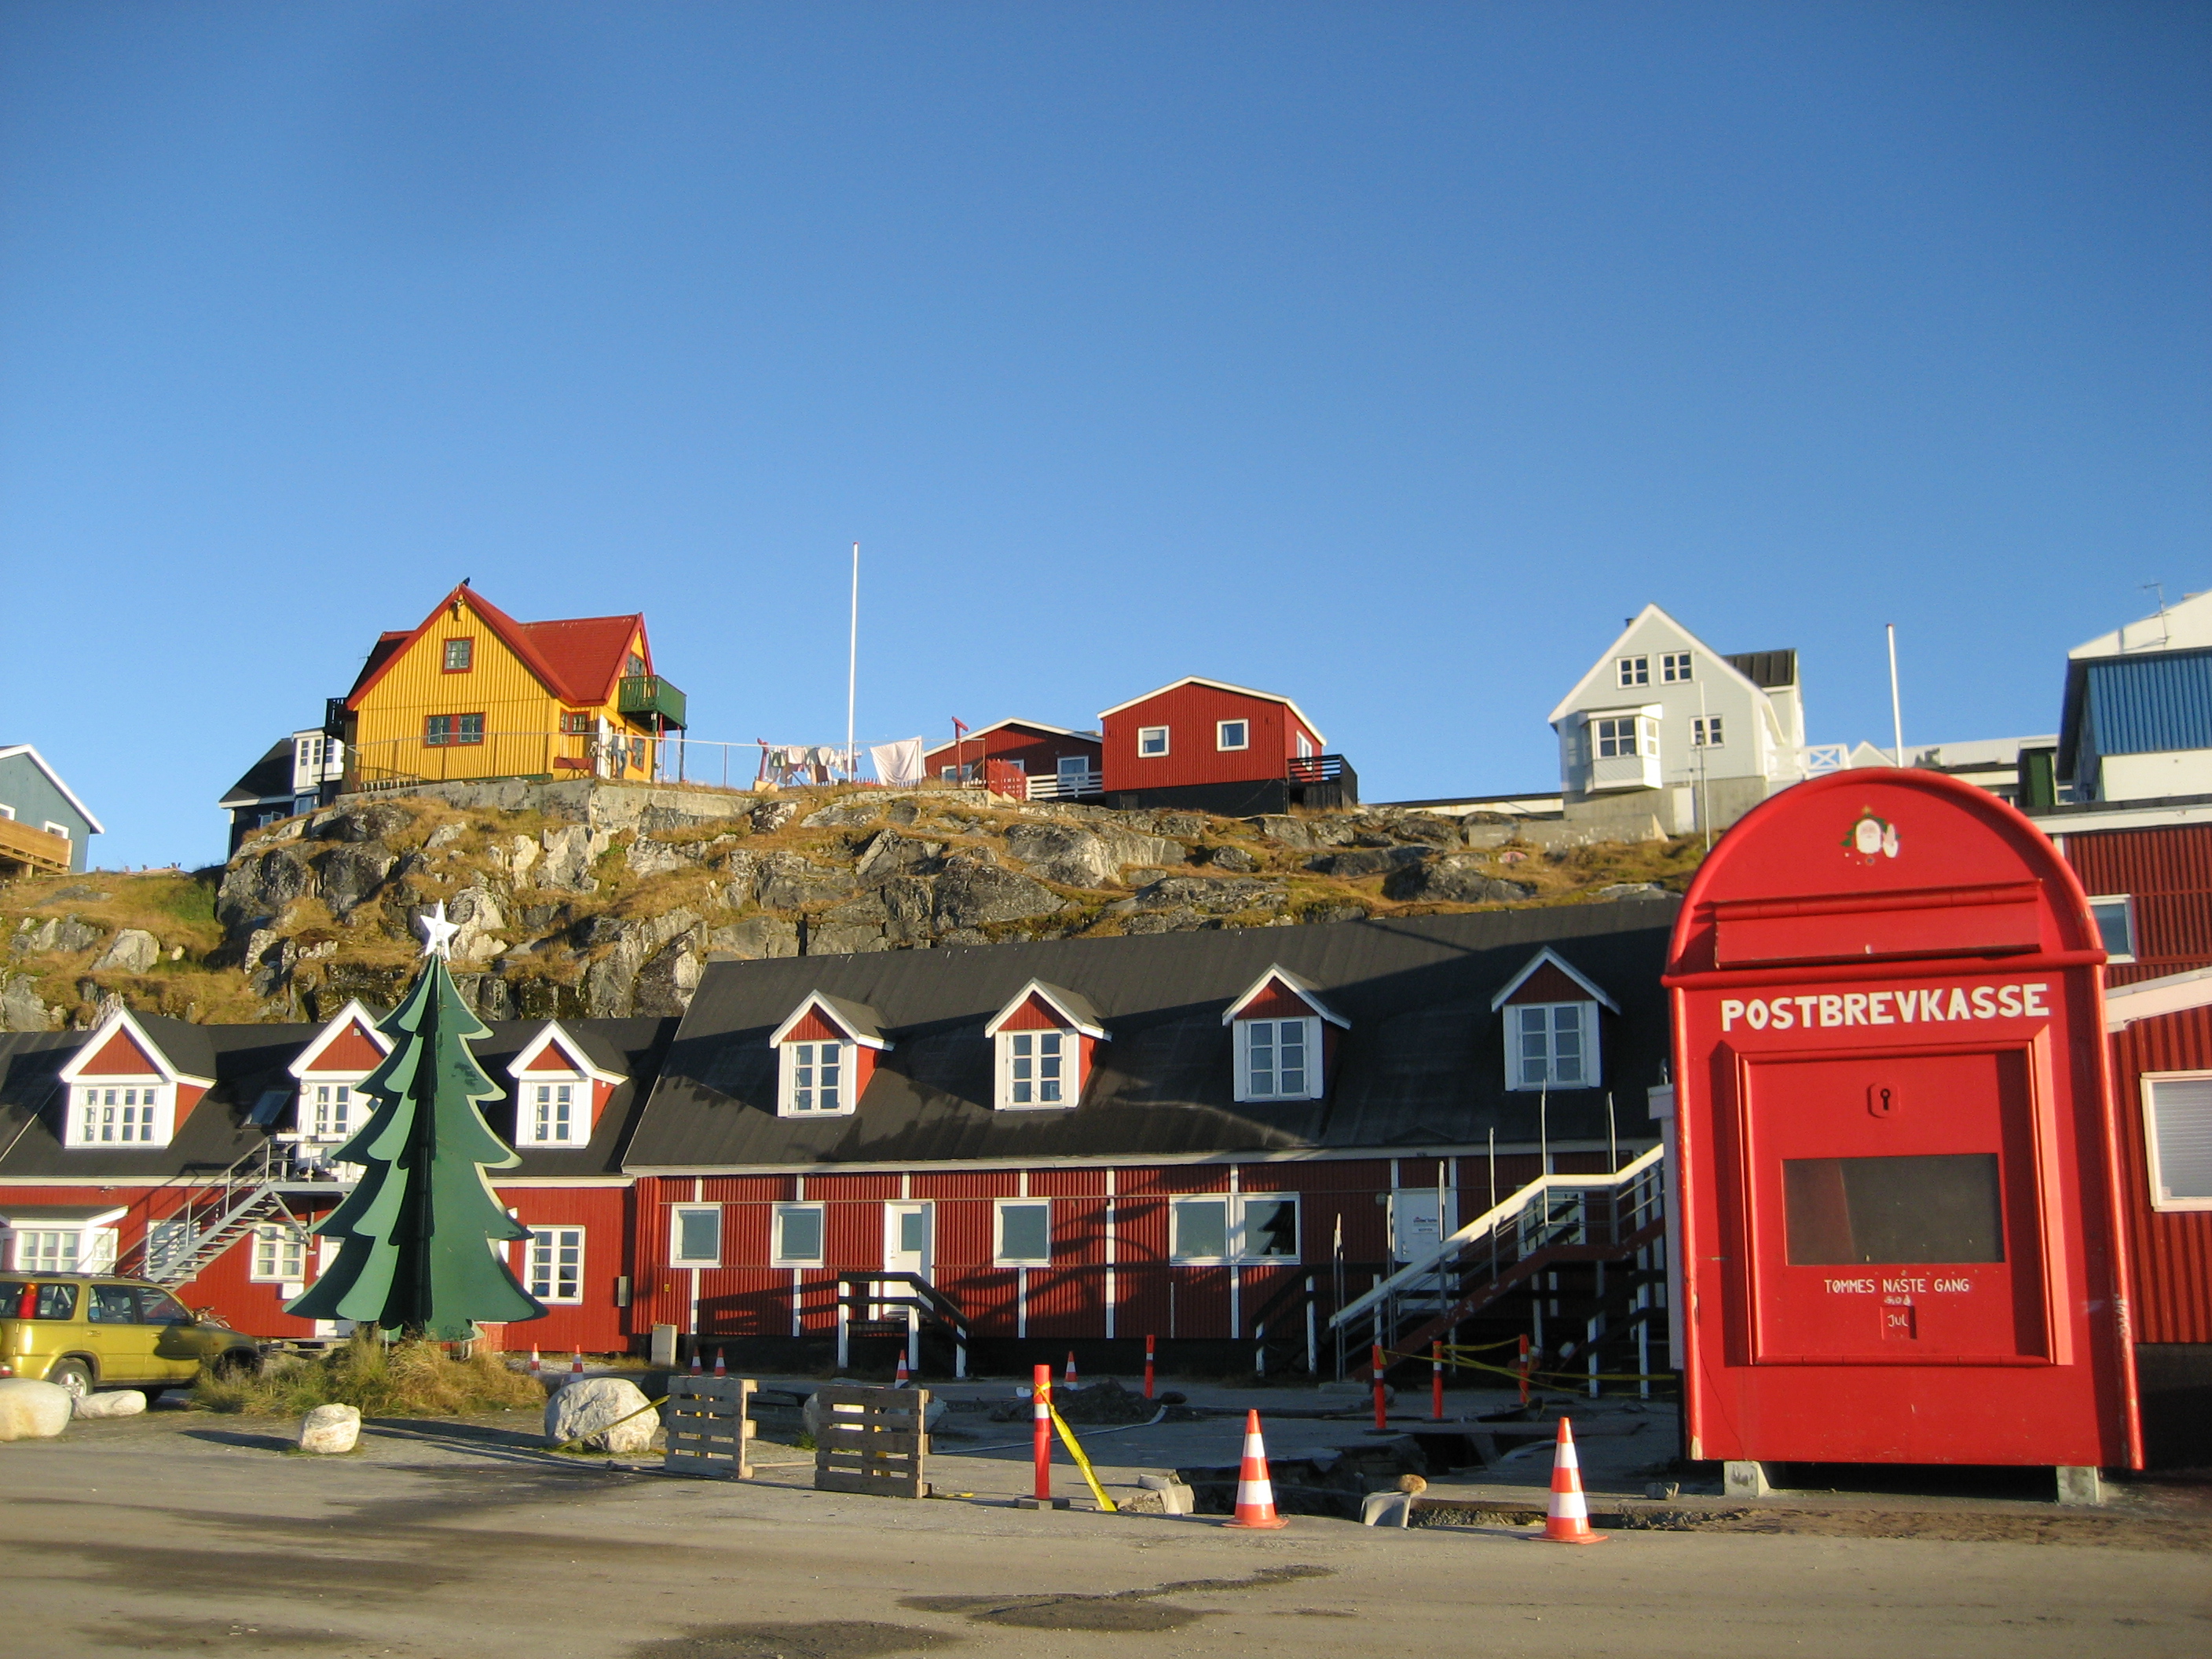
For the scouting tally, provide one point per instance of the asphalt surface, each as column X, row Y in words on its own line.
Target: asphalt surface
column 182, row 1532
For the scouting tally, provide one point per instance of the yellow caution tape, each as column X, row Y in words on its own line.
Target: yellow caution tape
column 1074, row 1451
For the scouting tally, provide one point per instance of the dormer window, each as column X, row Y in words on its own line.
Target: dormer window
column 331, row 1116
column 554, row 1116
column 1043, row 1037
column 825, row 1053
column 134, row 1113
column 1283, row 1034
column 330, row 1070
column 1552, row 1030
column 815, row 1076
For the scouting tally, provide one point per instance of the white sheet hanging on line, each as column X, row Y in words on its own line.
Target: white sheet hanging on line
column 898, row 764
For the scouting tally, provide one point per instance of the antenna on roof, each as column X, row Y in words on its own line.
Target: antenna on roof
column 1896, row 708
column 2165, row 633
column 852, row 668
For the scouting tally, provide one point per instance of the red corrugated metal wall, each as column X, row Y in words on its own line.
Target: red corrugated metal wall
column 2169, row 874
column 2170, row 1250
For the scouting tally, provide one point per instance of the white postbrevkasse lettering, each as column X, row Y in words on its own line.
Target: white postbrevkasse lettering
column 1939, row 1005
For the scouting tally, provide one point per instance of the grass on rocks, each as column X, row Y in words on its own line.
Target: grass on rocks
column 413, row 1379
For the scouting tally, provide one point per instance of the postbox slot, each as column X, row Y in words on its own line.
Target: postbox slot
column 1986, row 921
column 1864, row 1212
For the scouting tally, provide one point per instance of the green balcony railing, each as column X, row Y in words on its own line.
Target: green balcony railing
column 648, row 693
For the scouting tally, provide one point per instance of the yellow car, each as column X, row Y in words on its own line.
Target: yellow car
column 87, row 1330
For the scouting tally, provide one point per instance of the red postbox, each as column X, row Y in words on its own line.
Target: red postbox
column 1895, row 1170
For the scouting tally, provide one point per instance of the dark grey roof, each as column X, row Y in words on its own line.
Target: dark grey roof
column 1423, row 1064
column 1767, row 669
column 247, row 1060
column 268, row 779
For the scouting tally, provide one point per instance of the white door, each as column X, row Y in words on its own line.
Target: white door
column 909, row 1233
column 1418, row 1223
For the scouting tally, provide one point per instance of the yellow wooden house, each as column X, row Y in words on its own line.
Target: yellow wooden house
column 472, row 693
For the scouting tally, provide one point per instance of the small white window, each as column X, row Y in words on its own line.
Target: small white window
column 280, row 1254
column 1305, row 747
column 1675, row 668
column 333, row 1111
column 1151, row 740
column 1024, row 1231
column 130, row 1115
column 1706, row 732
column 1279, row 1059
column 2177, row 1124
column 61, row 829
column 798, row 1235
column 47, row 1250
column 695, row 1235
column 554, row 1272
column 1232, row 734
column 1552, row 1045
column 7, row 811
column 2115, row 916
column 1635, row 670
column 1036, row 1068
column 1252, row 1227
column 817, row 1077
column 553, row 1117
column 1625, row 735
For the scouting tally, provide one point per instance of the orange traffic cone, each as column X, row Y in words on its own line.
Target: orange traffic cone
column 1255, row 1492
column 720, row 1368
column 903, row 1378
column 1069, row 1384
column 695, row 1362
column 575, row 1366
column 536, row 1365
column 1568, row 1520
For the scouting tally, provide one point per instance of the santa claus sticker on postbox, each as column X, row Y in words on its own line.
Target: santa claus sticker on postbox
column 1894, row 1163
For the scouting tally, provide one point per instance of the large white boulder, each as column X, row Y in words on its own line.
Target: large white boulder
column 590, row 1410
column 329, row 1431
column 32, row 1411
column 120, row 1402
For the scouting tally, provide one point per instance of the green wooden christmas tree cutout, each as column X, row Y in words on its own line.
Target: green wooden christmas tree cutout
column 414, row 1237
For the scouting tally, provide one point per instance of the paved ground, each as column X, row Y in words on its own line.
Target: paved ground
column 180, row 1532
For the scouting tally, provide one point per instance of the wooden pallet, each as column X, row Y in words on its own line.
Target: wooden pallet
column 871, row 1440
column 710, row 1426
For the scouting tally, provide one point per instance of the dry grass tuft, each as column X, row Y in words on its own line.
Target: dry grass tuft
column 412, row 1378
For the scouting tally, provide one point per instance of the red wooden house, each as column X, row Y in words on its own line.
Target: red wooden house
column 1057, row 764
column 199, row 1156
column 1213, row 747
column 1208, row 1137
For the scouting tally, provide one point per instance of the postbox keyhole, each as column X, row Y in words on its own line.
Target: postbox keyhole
column 1882, row 1099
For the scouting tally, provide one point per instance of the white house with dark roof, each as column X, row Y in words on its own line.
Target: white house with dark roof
column 1664, row 735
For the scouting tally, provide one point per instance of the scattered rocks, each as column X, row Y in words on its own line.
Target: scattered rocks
column 22, row 1009
column 570, row 852
column 445, row 836
column 55, row 933
column 330, row 1430
column 32, row 1411
column 844, row 814
column 593, row 1410
column 771, row 816
column 1619, row 889
column 1232, row 858
column 118, row 1403
column 133, row 950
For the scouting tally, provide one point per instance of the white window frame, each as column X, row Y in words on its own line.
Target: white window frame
column 1629, row 671
column 676, row 1213
column 47, row 1250
column 542, row 1260
column 7, row 811
column 103, row 1114
column 1068, row 1060
column 1235, row 1232
column 1519, row 1076
column 1305, row 747
column 999, row 1258
column 320, row 1110
column 1221, row 735
column 789, row 1067
column 1675, row 668
column 1643, row 734
column 1706, row 731
column 279, row 1255
column 2153, row 1171
column 2127, row 902
column 541, row 1117
column 61, row 829
column 1145, row 734
column 776, row 1255
column 1247, row 1031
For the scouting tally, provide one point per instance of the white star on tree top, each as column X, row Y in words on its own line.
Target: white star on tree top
column 438, row 933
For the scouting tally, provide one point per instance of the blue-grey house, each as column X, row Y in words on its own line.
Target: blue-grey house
column 44, row 830
column 2137, row 720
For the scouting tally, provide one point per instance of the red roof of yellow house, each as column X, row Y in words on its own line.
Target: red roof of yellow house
column 579, row 658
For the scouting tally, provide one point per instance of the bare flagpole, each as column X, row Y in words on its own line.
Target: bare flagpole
column 853, row 669
column 1896, row 708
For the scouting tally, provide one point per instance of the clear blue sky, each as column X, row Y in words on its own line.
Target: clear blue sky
column 1385, row 355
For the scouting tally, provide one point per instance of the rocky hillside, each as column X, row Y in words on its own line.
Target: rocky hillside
column 611, row 901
